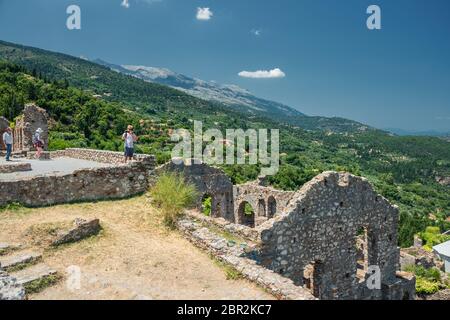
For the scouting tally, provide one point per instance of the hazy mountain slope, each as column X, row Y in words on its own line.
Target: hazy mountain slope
column 230, row 95
column 237, row 98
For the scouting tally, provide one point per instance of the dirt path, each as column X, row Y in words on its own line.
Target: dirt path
column 134, row 257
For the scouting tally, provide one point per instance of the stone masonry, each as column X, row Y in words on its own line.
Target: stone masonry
column 4, row 123
column 210, row 182
column 314, row 240
column 33, row 117
column 113, row 182
column 266, row 202
column 327, row 237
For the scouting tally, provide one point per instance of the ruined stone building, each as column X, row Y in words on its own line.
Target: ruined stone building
column 33, row 117
column 326, row 237
column 4, row 123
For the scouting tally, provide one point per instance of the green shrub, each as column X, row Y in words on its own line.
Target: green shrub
column 432, row 236
column 206, row 206
column 172, row 194
column 428, row 281
column 424, row 286
column 248, row 210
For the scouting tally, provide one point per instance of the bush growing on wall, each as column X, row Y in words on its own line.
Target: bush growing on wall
column 172, row 194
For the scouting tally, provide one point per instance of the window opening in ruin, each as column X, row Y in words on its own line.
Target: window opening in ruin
column 247, row 214
column 271, row 207
column 362, row 256
column 261, row 208
column 206, row 205
column 312, row 274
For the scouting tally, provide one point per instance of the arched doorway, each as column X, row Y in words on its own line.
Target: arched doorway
column 247, row 214
column 261, row 208
column 271, row 207
column 312, row 278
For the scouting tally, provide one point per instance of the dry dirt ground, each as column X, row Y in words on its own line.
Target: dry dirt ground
column 134, row 256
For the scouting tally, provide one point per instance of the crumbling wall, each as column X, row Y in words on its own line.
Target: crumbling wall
column 209, row 181
column 33, row 117
column 266, row 202
column 314, row 242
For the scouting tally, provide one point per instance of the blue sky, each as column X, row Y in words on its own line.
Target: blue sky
column 333, row 65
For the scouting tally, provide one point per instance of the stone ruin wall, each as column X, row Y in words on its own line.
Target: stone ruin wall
column 325, row 236
column 4, row 123
column 266, row 202
column 209, row 181
column 111, row 157
column 33, row 117
column 314, row 242
column 114, row 182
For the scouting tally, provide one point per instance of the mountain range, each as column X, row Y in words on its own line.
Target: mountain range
column 235, row 97
column 229, row 95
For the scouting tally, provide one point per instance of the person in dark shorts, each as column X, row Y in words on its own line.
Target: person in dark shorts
column 130, row 138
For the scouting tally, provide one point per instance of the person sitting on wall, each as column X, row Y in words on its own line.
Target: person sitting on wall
column 38, row 143
column 130, row 138
column 8, row 141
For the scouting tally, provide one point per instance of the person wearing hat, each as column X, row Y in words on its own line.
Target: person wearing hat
column 130, row 138
column 7, row 142
column 38, row 143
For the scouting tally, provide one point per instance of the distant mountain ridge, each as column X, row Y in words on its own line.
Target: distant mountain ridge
column 126, row 86
column 229, row 95
column 237, row 98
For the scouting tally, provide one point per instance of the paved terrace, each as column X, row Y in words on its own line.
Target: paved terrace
column 56, row 166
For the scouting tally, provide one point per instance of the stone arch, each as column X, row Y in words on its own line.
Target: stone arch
column 246, row 214
column 271, row 207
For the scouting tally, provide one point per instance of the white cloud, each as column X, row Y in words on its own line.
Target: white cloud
column 263, row 74
column 125, row 4
column 204, row 14
column 256, row 32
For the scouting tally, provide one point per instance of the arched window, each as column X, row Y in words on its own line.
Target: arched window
column 261, row 208
column 246, row 214
column 271, row 207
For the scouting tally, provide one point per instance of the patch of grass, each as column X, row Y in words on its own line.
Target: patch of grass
column 45, row 233
column 43, row 283
column 230, row 272
column 225, row 234
column 172, row 194
column 22, row 266
column 14, row 207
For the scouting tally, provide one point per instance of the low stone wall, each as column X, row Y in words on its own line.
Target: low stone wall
column 82, row 185
column 220, row 248
column 14, row 167
column 238, row 230
column 100, row 155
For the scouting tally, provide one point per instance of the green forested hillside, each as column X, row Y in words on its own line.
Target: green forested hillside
column 404, row 169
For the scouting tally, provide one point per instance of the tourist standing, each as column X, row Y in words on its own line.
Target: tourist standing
column 7, row 142
column 130, row 138
column 38, row 143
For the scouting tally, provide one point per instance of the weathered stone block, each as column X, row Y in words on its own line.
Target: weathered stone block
column 82, row 229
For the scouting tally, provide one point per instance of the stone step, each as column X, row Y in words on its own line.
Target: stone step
column 7, row 248
column 13, row 261
column 37, row 272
